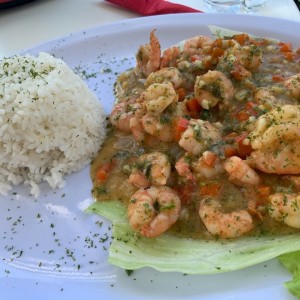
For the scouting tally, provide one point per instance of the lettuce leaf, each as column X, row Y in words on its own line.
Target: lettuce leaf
column 292, row 262
column 168, row 253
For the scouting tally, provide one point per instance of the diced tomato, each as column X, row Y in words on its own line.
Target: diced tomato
column 211, row 189
column 103, row 171
column 181, row 126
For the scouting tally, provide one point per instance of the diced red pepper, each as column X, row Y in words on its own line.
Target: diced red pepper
column 181, row 126
column 263, row 191
column 243, row 148
column 103, row 171
column 240, row 73
column 185, row 191
column 217, row 52
column 193, row 107
column 209, row 158
column 289, row 56
column 277, row 78
column 230, row 150
column 181, row 92
column 285, row 47
column 241, row 38
column 242, row 116
column 212, row 189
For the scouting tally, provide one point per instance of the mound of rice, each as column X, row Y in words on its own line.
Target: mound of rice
column 51, row 124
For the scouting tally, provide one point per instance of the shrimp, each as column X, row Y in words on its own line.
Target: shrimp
column 183, row 168
column 224, row 225
column 293, row 85
column 148, row 57
column 165, row 75
column 280, row 125
column 275, row 141
column 153, row 210
column 137, row 129
column 240, row 59
column 162, row 127
column 159, row 127
column 169, row 57
column 198, row 136
column 281, row 161
column 207, row 167
column 157, row 97
column 151, row 169
column 122, row 113
column 196, row 45
column 250, row 57
column 265, row 97
column 240, row 172
column 212, row 87
column 285, row 208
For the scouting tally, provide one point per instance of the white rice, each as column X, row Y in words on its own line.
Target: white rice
column 51, row 124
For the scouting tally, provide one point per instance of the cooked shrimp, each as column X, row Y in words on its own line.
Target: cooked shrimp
column 224, row 225
column 250, row 57
column 240, row 172
column 196, row 45
column 157, row 97
column 208, row 168
column 285, row 160
column 198, row 136
column 122, row 113
column 159, row 127
column 276, row 141
column 280, row 125
column 153, row 210
column 151, row 169
column 148, row 57
column 265, row 97
column 169, row 57
column 165, row 75
column 285, row 208
column 213, row 87
column 293, row 85
column 137, row 129
column 183, row 168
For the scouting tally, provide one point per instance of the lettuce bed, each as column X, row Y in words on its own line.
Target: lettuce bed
column 173, row 254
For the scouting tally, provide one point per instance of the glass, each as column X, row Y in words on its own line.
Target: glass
column 230, row 6
column 254, row 5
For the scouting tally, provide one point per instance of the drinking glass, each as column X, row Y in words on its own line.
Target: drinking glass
column 253, row 5
column 229, row 6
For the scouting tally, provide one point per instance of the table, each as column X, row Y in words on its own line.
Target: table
column 41, row 20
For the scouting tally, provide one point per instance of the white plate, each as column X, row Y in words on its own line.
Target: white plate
column 51, row 249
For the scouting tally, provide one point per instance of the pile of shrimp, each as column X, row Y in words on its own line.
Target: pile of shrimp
column 234, row 122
